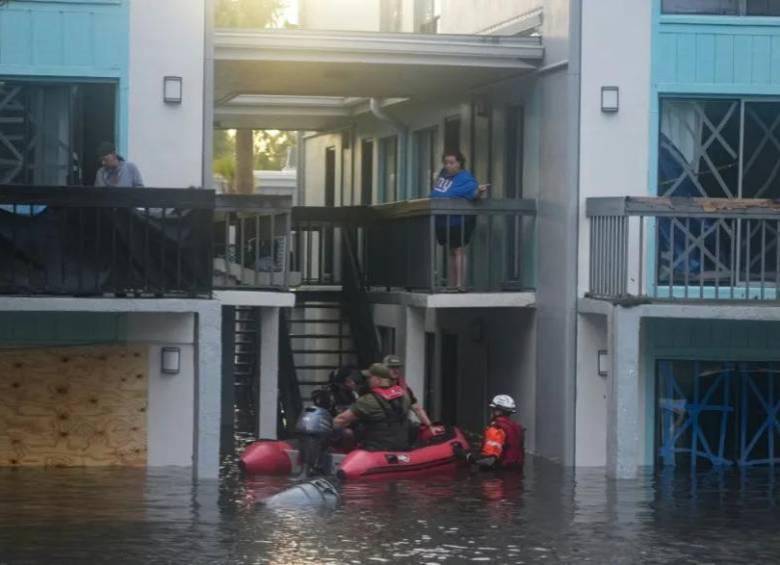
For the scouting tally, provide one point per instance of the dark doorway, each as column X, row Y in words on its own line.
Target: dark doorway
column 330, row 200
column 430, row 352
column 449, row 378
column 514, row 152
column 452, row 133
column 366, row 171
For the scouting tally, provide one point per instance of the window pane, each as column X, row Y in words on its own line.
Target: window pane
column 718, row 7
column 699, row 148
column 424, row 162
column 389, row 163
column 763, row 8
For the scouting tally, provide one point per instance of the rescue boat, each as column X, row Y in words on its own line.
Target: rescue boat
column 361, row 464
column 269, row 457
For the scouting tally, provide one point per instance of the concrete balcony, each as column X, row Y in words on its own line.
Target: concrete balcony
column 401, row 253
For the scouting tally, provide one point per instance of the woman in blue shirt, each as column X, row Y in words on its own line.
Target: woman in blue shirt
column 454, row 181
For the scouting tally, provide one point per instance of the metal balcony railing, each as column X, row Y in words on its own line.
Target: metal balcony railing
column 684, row 248
column 252, row 242
column 97, row 241
column 404, row 246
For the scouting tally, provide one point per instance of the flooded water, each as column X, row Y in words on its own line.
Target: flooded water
column 547, row 516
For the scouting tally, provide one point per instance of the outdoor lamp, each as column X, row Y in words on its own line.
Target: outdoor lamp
column 172, row 90
column 170, row 360
column 610, row 99
column 603, row 363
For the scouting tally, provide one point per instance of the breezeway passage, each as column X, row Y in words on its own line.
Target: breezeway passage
column 549, row 516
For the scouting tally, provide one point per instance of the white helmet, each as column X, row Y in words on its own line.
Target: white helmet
column 504, row 402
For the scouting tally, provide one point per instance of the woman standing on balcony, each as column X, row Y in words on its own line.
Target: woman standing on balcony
column 454, row 181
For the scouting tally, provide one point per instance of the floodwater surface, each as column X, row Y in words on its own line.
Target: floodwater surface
column 549, row 515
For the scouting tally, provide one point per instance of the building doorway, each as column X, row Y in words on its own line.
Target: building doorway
column 449, row 378
column 366, row 171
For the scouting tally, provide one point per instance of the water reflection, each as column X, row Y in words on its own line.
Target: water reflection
column 547, row 515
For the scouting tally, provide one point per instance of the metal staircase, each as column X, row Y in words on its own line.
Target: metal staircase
column 326, row 329
column 246, row 357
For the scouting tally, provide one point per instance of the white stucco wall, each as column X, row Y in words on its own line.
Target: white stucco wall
column 591, row 430
column 614, row 147
column 355, row 15
column 166, row 141
column 171, row 417
column 614, row 161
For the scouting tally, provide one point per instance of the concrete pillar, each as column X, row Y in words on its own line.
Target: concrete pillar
column 208, row 398
column 623, row 438
column 244, row 162
column 269, row 373
column 414, row 351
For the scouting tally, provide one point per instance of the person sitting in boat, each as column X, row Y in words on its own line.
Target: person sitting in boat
column 343, row 385
column 382, row 414
column 395, row 365
column 503, row 443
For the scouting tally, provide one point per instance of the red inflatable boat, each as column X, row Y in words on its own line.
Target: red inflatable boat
column 268, row 457
column 361, row 464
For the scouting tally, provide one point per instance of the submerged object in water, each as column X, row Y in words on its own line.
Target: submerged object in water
column 396, row 464
column 319, row 493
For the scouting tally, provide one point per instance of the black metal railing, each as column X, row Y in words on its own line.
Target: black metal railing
column 684, row 248
column 317, row 236
column 413, row 245
column 97, row 241
column 252, row 241
column 406, row 245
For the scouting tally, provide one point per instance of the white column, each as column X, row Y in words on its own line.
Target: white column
column 414, row 351
column 208, row 387
column 623, row 438
column 269, row 373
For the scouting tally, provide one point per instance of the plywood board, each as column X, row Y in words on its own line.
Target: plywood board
column 73, row 406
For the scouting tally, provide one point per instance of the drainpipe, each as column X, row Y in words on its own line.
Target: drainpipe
column 402, row 130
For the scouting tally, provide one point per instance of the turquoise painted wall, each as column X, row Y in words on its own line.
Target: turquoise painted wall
column 61, row 328
column 72, row 40
column 717, row 55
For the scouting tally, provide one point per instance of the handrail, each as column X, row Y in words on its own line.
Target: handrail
column 107, row 197
column 681, row 206
column 252, row 203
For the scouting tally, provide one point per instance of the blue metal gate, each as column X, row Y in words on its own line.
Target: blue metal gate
column 718, row 413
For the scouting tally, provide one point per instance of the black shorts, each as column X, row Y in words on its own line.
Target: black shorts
column 460, row 235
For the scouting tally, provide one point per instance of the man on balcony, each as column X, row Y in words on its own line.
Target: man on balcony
column 115, row 171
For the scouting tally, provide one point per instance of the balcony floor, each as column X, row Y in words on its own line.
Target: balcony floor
column 525, row 299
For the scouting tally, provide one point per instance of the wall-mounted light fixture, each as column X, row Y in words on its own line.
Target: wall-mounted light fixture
column 603, row 363
column 170, row 360
column 172, row 90
column 610, row 99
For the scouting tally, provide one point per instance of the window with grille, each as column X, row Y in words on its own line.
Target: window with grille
column 722, row 7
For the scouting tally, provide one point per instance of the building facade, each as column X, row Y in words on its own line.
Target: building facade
column 621, row 275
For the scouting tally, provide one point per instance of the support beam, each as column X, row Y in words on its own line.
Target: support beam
column 268, row 402
column 623, row 445
column 414, row 351
column 208, row 398
column 245, row 182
